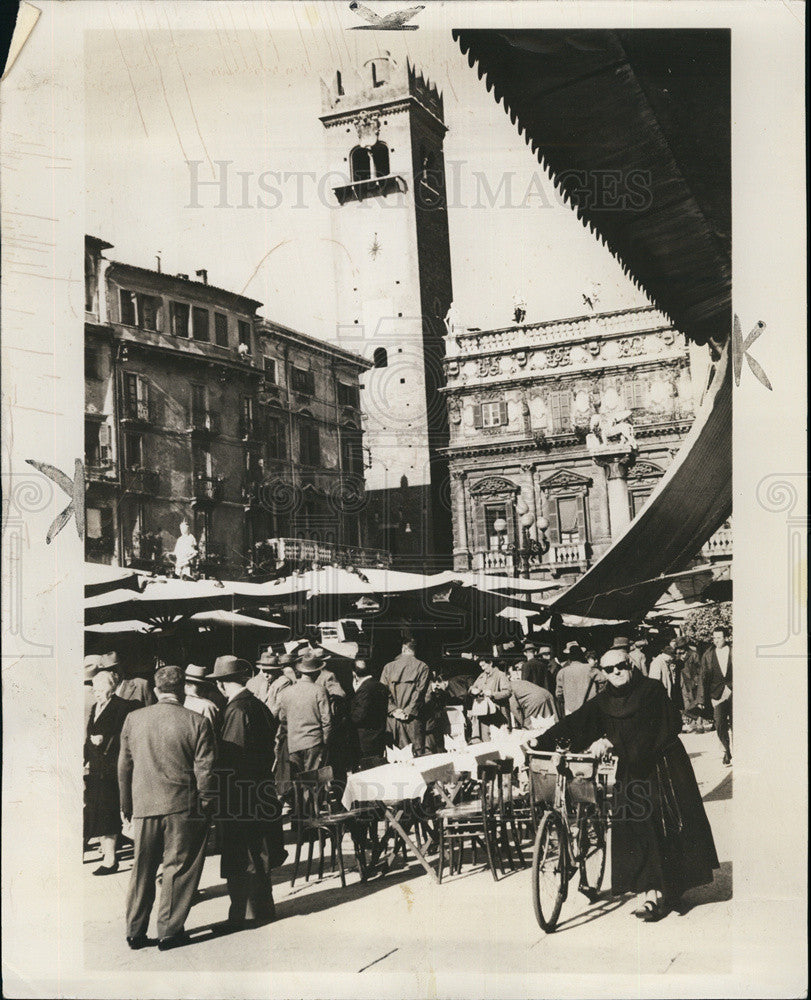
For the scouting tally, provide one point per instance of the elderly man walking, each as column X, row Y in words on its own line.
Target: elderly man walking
column 249, row 816
column 167, row 785
column 407, row 680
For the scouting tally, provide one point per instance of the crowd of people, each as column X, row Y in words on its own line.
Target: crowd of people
column 194, row 749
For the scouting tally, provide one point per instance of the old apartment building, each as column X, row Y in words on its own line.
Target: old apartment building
column 194, row 409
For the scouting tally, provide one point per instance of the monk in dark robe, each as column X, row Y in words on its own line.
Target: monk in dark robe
column 661, row 840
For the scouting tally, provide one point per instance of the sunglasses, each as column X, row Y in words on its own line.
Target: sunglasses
column 616, row 666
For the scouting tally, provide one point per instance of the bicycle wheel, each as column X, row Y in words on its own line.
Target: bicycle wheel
column 549, row 875
column 591, row 848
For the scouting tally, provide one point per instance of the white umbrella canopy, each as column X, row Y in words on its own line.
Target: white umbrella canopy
column 99, row 578
column 229, row 619
column 503, row 584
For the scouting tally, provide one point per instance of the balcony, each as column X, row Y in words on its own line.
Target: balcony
column 358, row 190
column 97, row 471
column 144, row 481
column 208, row 489
column 302, row 553
column 137, row 412
column 719, row 546
column 493, row 561
column 204, row 424
column 568, row 557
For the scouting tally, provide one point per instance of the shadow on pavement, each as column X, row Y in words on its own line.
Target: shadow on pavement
column 722, row 791
column 604, row 905
column 719, row 891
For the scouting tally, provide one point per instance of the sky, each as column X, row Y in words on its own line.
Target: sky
column 239, row 102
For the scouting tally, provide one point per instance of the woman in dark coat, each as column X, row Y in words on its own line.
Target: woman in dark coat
column 102, row 809
column 661, row 841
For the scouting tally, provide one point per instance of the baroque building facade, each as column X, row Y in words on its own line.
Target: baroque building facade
column 533, row 487
column 197, row 409
column 384, row 133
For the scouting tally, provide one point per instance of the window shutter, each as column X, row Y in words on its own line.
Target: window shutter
column 554, row 406
column 104, row 442
column 509, row 516
column 582, row 518
column 477, row 415
column 554, row 522
column 482, row 541
column 502, row 412
column 628, row 394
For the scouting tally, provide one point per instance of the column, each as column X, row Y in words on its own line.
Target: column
column 616, row 462
column 461, row 553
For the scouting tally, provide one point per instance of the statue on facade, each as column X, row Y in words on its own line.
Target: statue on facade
column 519, row 308
column 610, row 426
column 185, row 552
column 453, row 326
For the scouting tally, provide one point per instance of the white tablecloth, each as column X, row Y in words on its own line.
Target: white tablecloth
column 398, row 782
column 409, row 779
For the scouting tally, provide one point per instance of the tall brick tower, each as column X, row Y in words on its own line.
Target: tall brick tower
column 384, row 131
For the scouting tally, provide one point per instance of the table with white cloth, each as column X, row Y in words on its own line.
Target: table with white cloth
column 393, row 786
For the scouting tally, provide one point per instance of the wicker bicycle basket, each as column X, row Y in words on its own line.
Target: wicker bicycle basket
column 590, row 779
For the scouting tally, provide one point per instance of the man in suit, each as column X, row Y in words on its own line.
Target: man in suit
column 131, row 687
column 716, row 676
column 248, row 810
column 198, row 691
column 407, row 679
column 167, row 786
column 304, row 710
column 266, row 666
column 368, row 711
column 576, row 681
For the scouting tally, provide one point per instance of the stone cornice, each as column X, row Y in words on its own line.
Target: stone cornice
column 392, row 106
column 671, row 360
column 554, row 442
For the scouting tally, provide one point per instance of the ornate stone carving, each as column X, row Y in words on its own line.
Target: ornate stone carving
column 645, row 470
column 367, row 126
column 493, row 485
column 564, row 479
column 489, row 366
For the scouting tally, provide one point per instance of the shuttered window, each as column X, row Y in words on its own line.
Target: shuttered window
column 136, row 396
column 560, row 406
column 127, row 307
column 303, row 381
column 221, row 329
column 633, row 394
column 200, row 324
column 180, row 319
column 276, row 438
column 494, row 413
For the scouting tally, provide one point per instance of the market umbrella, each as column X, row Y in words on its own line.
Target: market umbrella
column 100, row 578
column 160, row 600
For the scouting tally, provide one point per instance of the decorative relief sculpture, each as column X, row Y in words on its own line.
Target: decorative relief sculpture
column 368, row 129
column 610, row 426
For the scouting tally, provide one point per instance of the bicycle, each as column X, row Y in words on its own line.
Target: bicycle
column 571, row 836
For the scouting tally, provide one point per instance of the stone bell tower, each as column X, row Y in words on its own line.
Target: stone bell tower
column 384, row 131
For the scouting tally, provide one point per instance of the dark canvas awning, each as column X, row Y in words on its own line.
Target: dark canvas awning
column 634, row 128
column 690, row 503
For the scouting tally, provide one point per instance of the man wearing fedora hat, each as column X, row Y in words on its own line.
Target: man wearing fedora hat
column 266, row 666
column 167, row 787
column 196, row 689
column 248, row 810
column 131, row 687
column 304, row 710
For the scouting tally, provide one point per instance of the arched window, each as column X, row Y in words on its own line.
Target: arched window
column 361, row 163
column 367, row 164
column 381, row 357
column 380, row 159
column 309, row 440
